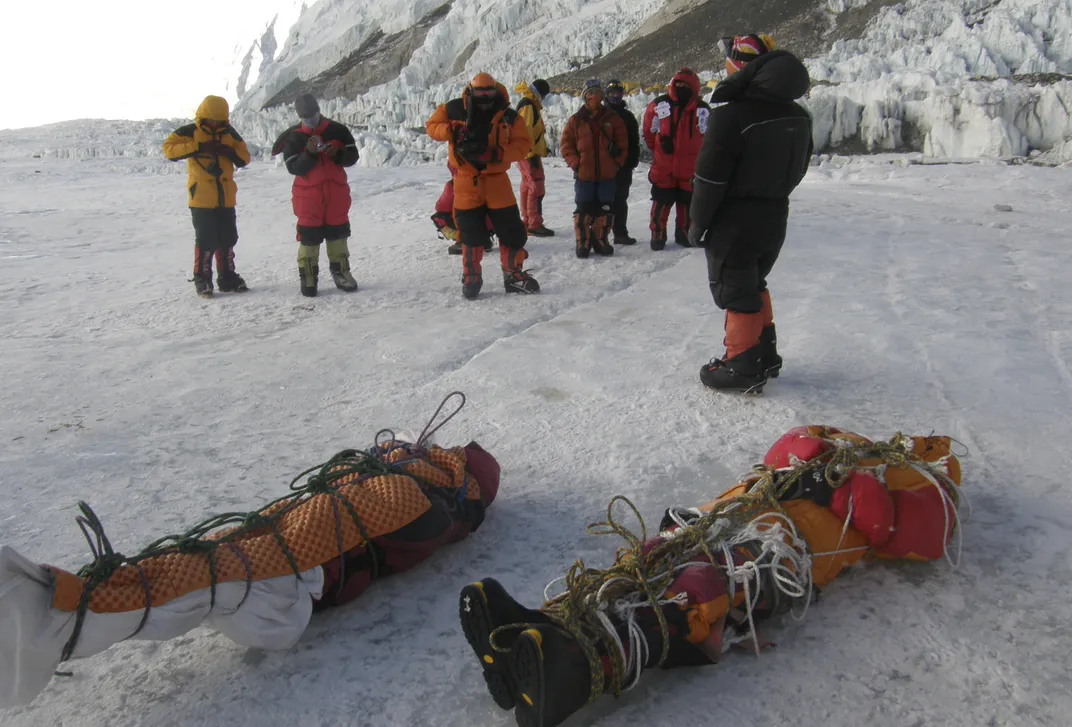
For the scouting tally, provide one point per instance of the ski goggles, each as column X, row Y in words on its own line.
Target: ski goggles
column 484, row 93
column 615, row 89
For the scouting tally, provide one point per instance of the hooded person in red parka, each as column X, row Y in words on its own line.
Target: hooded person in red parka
column 674, row 126
column 316, row 151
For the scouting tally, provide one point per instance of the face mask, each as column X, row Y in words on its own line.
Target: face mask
column 684, row 93
column 312, row 122
column 615, row 99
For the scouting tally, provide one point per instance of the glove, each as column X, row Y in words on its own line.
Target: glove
column 459, row 135
column 695, row 236
column 313, row 145
column 666, row 144
column 331, row 150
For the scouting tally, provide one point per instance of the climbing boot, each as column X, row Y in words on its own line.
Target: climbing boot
column 339, row 265
column 483, row 607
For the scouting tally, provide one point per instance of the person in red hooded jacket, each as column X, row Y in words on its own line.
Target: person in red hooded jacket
column 674, row 126
column 316, row 151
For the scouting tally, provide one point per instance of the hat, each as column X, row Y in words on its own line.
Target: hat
column 747, row 48
column 306, row 106
column 541, row 87
column 591, row 86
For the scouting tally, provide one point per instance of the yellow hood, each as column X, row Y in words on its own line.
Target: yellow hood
column 213, row 108
column 522, row 89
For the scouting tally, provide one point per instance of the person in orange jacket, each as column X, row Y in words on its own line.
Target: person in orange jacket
column 594, row 145
column 485, row 137
column 708, row 577
column 213, row 150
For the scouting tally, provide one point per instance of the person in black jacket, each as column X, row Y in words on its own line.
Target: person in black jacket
column 756, row 151
column 317, row 152
column 624, row 179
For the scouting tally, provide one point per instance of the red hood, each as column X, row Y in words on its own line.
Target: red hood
column 686, row 75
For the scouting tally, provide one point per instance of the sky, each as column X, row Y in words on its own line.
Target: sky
column 119, row 59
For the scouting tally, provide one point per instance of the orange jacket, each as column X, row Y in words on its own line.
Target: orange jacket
column 508, row 141
column 595, row 147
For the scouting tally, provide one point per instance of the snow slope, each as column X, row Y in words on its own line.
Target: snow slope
column 905, row 301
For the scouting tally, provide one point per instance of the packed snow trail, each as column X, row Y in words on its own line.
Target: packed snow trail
column 905, row 302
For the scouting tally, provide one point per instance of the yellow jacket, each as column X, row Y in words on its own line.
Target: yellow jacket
column 209, row 169
column 529, row 108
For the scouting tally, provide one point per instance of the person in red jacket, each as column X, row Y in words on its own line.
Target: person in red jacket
column 674, row 126
column 316, row 151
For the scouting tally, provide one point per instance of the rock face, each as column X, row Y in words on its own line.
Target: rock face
column 686, row 33
column 380, row 59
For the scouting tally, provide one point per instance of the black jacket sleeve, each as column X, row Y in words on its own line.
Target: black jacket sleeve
column 299, row 162
column 715, row 165
column 632, row 129
column 349, row 155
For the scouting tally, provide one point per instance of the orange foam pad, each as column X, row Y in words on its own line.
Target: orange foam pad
column 310, row 531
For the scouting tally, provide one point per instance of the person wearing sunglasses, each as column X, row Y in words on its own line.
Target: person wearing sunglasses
column 594, row 145
column 530, row 108
column 756, row 151
column 674, row 126
column 212, row 150
column 624, row 180
column 485, row 136
column 317, row 151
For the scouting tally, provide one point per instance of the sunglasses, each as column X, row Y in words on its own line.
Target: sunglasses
column 484, row 93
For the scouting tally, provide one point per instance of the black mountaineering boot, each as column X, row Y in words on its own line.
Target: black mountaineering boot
column 483, row 607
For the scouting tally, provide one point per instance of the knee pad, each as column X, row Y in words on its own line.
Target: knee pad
column 737, row 290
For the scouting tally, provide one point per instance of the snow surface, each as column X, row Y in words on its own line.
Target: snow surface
column 922, row 77
column 906, row 301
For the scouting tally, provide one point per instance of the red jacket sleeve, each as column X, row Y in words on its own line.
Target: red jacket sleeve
column 871, row 510
column 649, row 135
column 568, row 145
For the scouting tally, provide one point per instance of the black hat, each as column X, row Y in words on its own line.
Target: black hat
column 306, row 106
column 542, row 87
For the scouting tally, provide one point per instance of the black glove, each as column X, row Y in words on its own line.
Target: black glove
column 667, row 144
column 695, row 236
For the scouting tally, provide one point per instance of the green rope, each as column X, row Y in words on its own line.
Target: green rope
column 650, row 574
column 323, row 479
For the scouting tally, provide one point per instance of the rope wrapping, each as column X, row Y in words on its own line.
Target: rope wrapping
column 643, row 571
column 346, row 468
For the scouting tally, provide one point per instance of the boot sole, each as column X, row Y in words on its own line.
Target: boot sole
column 527, row 670
column 477, row 625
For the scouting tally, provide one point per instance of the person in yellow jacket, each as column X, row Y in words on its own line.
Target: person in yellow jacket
column 530, row 109
column 212, row 150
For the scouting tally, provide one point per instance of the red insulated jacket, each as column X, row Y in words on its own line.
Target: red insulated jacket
column 674, row 132
column 321, row 193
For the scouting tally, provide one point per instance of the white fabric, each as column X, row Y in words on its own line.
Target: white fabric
column 662, row 109
column 32, row 633
column 702, row 115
